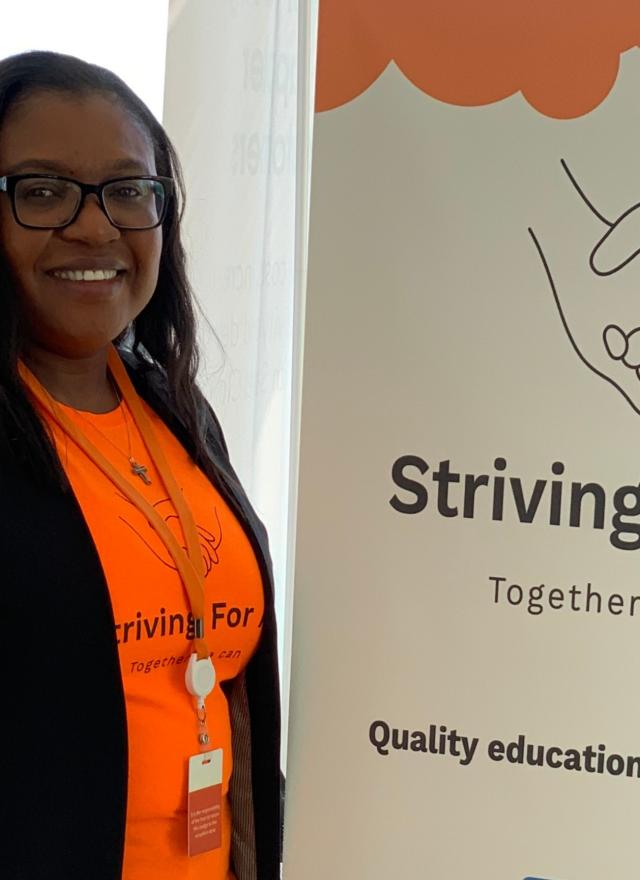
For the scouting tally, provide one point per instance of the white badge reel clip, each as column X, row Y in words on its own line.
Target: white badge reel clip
column 200, row 678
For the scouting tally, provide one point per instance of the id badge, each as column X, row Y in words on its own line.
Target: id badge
column 204, row 802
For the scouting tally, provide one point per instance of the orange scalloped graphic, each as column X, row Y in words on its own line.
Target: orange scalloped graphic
column 563, row 55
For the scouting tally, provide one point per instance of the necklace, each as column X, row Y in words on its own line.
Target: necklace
column 140, row 470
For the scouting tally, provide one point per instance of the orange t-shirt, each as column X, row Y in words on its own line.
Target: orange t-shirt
column 154, row 628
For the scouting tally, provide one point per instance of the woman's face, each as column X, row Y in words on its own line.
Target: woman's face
column 90, row 139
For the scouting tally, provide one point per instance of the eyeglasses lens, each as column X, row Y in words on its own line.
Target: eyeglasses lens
column 45, row 202
column 134, row 204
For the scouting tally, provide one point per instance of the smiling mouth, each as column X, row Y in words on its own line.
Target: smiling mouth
column 86, row 274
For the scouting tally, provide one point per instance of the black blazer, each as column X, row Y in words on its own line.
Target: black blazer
column 63, row 735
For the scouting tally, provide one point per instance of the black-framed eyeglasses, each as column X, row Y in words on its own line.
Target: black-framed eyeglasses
column 48, row 201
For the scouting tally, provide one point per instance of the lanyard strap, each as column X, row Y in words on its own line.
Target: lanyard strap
column 190, row 565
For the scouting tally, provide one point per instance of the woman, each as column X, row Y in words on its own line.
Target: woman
column 137, row 631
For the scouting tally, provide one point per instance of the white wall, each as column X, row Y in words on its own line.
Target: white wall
column 127, row 36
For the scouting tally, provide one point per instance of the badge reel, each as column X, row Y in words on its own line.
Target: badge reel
column 200, row 679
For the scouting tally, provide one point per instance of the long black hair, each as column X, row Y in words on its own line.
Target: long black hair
column 164, row 333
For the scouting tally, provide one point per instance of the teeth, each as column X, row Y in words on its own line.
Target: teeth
column 86, row 274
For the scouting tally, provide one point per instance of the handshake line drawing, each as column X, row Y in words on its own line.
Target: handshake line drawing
column 610, row 349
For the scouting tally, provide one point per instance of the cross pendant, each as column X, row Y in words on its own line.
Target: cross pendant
column 140, row 471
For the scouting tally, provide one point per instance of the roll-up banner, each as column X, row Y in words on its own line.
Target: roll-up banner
column 466, row 662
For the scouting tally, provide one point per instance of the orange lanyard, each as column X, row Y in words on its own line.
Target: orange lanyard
column 190, row 564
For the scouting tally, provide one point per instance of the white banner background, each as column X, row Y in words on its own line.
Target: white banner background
column 230, row 109
column 432, row 331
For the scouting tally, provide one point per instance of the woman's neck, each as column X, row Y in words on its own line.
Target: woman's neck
column 82, row 383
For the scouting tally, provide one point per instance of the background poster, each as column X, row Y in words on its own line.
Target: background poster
column 467, row 612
